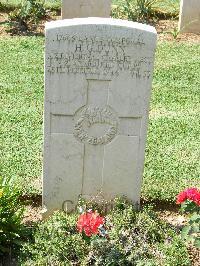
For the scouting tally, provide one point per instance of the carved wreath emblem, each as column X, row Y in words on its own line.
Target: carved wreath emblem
column 96, row 115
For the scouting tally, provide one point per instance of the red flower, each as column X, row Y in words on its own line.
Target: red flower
column 182, row 196
column 89, row 223
column 192, row 194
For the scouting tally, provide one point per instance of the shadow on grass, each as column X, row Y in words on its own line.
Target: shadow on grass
column 8, row 260
column 19, row 28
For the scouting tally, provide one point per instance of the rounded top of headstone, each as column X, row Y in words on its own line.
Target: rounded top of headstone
column 99, row 21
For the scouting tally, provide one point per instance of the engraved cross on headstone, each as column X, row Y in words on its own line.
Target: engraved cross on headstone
column 97, row 100
column 96, row 124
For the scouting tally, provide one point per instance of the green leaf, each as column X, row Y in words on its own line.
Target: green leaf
column 195, row 228
column 185, row 231
column 195, row 217
column 197, row 242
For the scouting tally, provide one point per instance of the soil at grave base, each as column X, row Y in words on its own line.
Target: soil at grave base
column 165, row 29
column 165, row 211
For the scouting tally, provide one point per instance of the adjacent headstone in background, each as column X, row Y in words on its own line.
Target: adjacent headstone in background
column 189, row 19
column 98, row 75
column 85, row 8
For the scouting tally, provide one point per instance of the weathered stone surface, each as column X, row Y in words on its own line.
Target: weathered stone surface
column 189, row 19
column 98, row 75
column 85, row 8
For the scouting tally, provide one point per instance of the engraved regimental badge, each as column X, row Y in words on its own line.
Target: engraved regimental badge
column 96, row 125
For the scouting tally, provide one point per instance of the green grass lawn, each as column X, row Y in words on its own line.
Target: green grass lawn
column 21, row 110
column 15, row 3
column 173, row 151
column 172, row 154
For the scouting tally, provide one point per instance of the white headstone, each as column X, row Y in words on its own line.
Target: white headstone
column 98, row 75
column 85, row 8
column 189, row 19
